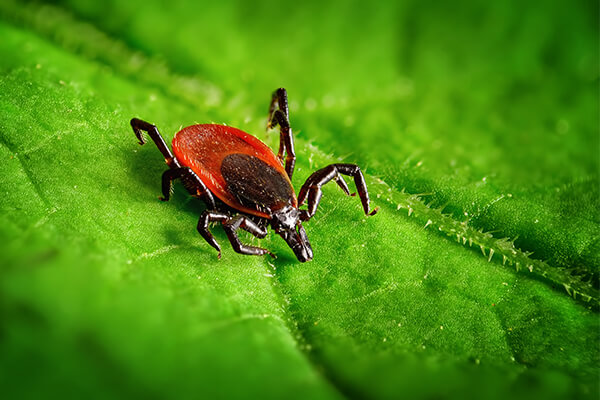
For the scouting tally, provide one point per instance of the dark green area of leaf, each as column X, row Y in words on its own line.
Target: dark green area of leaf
column 491, row 109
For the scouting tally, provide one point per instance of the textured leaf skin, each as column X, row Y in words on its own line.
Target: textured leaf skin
column 107, row 292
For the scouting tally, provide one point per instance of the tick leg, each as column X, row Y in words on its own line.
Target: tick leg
column 242, row 222
column 279, row 115
column 261, row 222
column 192, row 183
column 138, row 126
column 205, row 219
column 312, row 187
column 231, row 226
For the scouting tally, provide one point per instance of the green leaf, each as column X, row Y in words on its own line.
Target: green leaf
column 473, row 126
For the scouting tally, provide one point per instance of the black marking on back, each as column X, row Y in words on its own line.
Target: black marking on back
column 255, row 184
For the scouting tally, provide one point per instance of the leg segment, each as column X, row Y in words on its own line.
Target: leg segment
column 231, row 226
column 192, row 183
column 190, row 180
column 205, row 219
column 241, row 221
column 138, row 126
column 279, row 115
column 312, row 187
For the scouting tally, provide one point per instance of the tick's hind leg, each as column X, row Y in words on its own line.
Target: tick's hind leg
column 231, row 226
column 279, row 115
column 192, row 183
column 138, row 126
column 312, row 187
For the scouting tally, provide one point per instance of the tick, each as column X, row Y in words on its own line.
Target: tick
column 246, row 186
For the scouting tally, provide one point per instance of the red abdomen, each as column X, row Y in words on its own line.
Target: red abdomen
column 204, row 147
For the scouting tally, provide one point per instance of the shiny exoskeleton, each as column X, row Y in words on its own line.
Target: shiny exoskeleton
column 244, row 185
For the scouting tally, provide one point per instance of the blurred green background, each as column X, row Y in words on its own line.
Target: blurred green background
column 487, row 111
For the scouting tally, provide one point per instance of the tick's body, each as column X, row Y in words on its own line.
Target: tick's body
column 245, row 176
column 236, row 167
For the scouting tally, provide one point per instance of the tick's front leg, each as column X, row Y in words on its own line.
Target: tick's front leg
column 242, row 222
column 312, row 187
column 231, row 226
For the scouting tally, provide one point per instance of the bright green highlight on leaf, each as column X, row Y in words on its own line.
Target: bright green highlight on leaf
column 475, row 125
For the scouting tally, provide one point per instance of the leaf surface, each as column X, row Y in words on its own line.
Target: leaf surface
column 107, row 291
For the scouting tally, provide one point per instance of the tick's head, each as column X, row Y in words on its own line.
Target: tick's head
column 286, row 223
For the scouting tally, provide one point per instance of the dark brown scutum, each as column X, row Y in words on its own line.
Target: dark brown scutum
column 255, row 183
